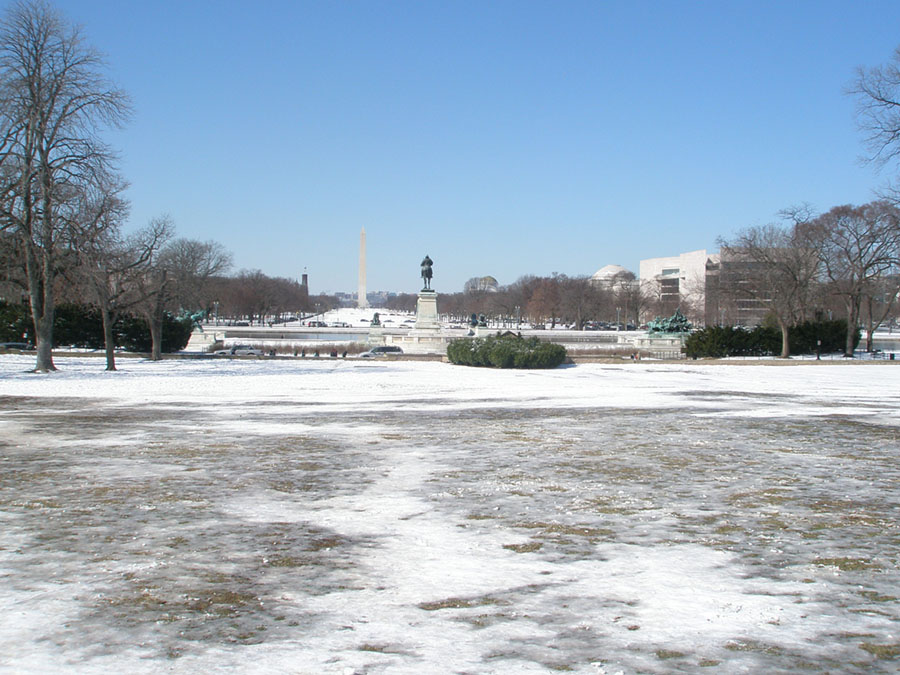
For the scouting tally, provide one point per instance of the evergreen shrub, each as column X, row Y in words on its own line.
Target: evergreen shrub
column 81, row 326
column 77, row 326
column 133, row 333
column 833, row 335
column 722, row 341
column 15, row 323
column 506, row 351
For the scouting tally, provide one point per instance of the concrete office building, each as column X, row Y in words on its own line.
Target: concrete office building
column 678, row 282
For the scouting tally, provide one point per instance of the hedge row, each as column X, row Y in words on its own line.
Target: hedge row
column 506, row 351
column 81, row 326
column 721, row 341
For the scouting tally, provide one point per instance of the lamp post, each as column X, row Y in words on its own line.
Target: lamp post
column 517, row 317
column 618, row 309
column 818, row 314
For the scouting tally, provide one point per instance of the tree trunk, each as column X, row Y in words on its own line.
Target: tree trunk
column 852, row 321
column 44, row 338
column 109, row 340
column 156, row 329
column 42, row 315
column 870, row 323
column 785, row 340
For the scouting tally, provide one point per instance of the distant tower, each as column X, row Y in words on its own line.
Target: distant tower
column 361, row 301
column 304, row 288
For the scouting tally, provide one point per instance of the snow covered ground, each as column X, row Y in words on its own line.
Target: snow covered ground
column 350, row 516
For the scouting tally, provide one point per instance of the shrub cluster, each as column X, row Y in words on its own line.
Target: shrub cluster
column 15, row 323
column 82, row 326
column 833, row 335
column 721, row 341
column 133, row 333
column 506, row 351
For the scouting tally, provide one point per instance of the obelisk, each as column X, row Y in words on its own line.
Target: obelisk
column 361, row 301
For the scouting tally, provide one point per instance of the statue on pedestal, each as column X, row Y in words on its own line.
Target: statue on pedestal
column 426, row 272
column 677, row 323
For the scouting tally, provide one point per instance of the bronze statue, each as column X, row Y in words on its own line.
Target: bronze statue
column 677, row 323
column 426, row 272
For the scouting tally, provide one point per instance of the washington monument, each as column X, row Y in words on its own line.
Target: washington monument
column 361, row 301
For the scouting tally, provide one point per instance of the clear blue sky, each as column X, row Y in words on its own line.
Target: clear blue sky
column 502, row 138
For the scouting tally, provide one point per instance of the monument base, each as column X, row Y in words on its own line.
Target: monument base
column 376, row 336
column 426, row 311
column 659, row 345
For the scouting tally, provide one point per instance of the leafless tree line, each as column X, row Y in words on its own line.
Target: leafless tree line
column 555, row 300
column 256, row 298
column 847, row 259
column 61, row 206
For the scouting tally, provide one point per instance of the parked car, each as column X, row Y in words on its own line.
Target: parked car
column 385, row 350
column 18, row 346
column 240, row 350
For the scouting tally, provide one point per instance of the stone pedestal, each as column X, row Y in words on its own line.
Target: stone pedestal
column 202, row 340
column 376, row 336
column 659, row 345
column 426, row 311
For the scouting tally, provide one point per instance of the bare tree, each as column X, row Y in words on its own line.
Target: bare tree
column 774, row 267
column 630, row 295
column 880, row 304
column 877, row 92
column 177, row 275
column 54, row 100
column 579, row 299
column 95, row 236
column 859, row 246
column 190, row 265
column 113, row 268
column 154, row 285
column 545, row 301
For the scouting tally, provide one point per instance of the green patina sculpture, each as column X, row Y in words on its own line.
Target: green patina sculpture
column 194, row 317
column 427, row 272
column 677, row 323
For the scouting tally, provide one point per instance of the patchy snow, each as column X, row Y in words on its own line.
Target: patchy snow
column 349, row 516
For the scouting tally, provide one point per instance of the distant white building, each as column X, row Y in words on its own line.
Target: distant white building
column 613, row 277
column 678, row 282
column 486, row 284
